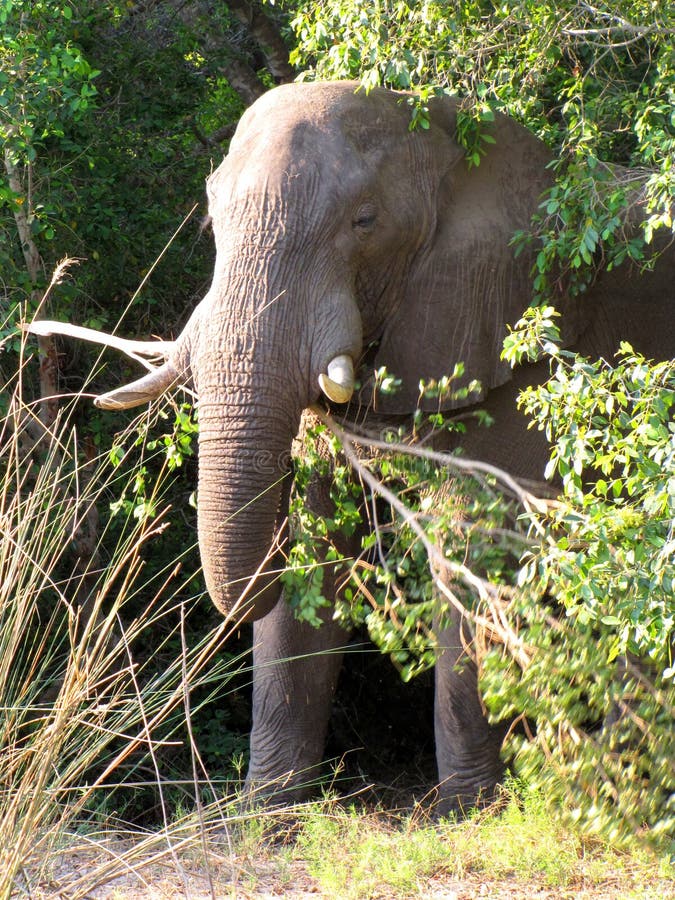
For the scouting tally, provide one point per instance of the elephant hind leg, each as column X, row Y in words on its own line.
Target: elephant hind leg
column 467, row 745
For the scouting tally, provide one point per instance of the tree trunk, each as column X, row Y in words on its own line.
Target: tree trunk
column 34, row 267
column 267, row 35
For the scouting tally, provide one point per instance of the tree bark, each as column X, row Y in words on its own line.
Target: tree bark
column 267, row 36
column 242, row 79
column 48, row 360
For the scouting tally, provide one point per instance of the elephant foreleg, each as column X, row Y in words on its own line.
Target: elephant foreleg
column 295, row 671
column 467, row 746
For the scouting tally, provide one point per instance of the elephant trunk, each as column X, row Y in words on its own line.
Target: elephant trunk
column 244, row 483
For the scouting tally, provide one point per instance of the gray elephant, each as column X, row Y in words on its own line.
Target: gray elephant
column 345, row 241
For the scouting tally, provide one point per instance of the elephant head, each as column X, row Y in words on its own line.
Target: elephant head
column 345, row 241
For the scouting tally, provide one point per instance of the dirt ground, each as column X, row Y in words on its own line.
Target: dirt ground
column 73, row 875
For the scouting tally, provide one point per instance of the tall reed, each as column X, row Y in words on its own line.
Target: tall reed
column 77, row 699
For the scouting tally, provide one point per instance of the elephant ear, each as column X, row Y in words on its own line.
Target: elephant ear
column 465, row 285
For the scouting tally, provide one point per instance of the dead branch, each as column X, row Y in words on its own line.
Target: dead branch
column 216, row 137
column 616, row 26
column 525, row 497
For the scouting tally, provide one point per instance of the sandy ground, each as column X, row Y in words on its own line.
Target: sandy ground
column 90, row 874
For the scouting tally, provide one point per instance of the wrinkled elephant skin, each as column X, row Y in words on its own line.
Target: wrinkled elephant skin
column 346, row 242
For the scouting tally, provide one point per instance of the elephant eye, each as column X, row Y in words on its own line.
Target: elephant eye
column 365, row 218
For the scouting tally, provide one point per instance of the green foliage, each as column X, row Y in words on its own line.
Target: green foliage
column 46, row 90
column 574, row 73
column 613, row 448
column 595, row 82
column 470, row 133
column 592, row 617
column 388, row 586
column 101, row 111
column 597, row 599
column 313, row 547
column 47, row 83
column 585, row 214
column 175, row 449
column 599, row 727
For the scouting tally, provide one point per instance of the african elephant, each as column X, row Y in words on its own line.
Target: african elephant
column 345, row 242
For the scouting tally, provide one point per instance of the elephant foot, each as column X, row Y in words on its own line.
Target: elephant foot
column 459, row 804
column 285, row 790
column 458, row 794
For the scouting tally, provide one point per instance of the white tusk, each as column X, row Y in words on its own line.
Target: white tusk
column 134, row 349
column 338, row 383
column 144, row 390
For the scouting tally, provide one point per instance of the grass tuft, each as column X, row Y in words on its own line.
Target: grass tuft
column 523, row 843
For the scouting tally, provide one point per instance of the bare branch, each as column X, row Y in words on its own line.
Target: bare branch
column 459, row 464
column 443, row 570
column 49, row 368
column 618, row 32
column 29, row 248
column 216, row 137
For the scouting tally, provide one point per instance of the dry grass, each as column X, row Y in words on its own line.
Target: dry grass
column 331, row 851
column 78, row 698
